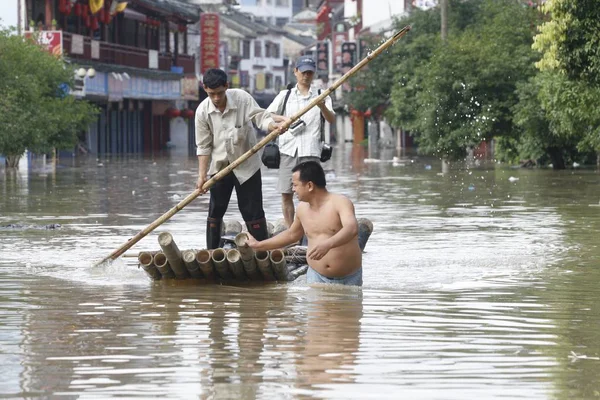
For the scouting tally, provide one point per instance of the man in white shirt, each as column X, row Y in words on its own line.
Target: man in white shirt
column 305, row 145
column 224, row 132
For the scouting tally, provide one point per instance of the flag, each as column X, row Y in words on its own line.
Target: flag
column 117, row 6
column 96, row 5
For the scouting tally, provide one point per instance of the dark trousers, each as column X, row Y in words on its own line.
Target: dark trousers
column 249, row 197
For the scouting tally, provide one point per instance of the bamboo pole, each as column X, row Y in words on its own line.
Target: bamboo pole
column 189, row 259
column 204, row 259
column 264, row 265
column 171, row 251
column 271, row 136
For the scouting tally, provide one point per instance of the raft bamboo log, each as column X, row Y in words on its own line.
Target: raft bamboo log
column 192, row 266
column 219, row 260
column 231, row 228
column 171, row 251
column 203, row 257
column 162, row 264
column 365, row 228
column 268, row 138
column 295, row 273
column 270, row 228
column 277, row 258
column 247, row 255
column 279, row 227
column 264, row 265
column 234, row 258
column 146, row 260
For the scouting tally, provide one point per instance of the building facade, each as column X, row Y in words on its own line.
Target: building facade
column 145, row 83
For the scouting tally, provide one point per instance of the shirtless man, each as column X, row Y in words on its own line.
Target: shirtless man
column 330, row 225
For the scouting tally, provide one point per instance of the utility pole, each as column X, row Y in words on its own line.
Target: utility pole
column 444, row 11
column 19, row 22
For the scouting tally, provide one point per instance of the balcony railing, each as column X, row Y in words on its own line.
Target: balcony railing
column 111, row 53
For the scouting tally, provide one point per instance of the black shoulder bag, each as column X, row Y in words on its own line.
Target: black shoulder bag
column 270, row 156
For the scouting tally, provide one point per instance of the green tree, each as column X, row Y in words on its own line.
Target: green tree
column 463, row 90
column 571, row 38
column 567, row 89
column 36, row 112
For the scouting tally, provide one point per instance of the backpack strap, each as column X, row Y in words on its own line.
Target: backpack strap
column 322, row 126
column 287, row 96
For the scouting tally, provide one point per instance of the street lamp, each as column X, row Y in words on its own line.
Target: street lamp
column 82, row 73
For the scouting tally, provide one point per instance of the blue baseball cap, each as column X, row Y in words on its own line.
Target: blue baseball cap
column 305, row 63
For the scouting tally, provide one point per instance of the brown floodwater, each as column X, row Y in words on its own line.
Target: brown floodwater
column 480, row 283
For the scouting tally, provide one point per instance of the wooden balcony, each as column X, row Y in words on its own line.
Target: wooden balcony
column 111, row 53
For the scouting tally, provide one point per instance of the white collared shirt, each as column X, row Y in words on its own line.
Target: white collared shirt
column 307, row 143
column 226, row 136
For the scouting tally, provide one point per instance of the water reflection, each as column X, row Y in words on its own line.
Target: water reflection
column 476, row 286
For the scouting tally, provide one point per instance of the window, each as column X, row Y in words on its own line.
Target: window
column 128, row 32
column 248, row 2
column 246, row 49
column 268, row 81
column 162, row 39
column 282, row 3
column 278, row 83
column 275, row 53
column 268, row 49
column 281, row 21
column 244, row 79
column 142, row 36
column 257, row 48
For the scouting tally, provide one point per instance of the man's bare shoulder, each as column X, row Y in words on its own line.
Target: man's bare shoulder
column 340, row 199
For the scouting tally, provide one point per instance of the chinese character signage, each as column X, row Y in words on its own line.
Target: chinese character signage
column 322, row 60
column 338, row 39
column 348, row 61
column 51, row 41
column 348, row 56
column 209, row 41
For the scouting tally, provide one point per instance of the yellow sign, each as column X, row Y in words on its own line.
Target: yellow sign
column 260, row 81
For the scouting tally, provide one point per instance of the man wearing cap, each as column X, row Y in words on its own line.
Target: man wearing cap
column 299, row 145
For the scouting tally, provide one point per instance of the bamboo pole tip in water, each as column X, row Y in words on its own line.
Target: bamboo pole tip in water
column 233, row 256
column 203, row 256
column 241, row 239
column 188, row 256
column 145, row 258
column 218, row 255
column 165, row 239
column 277, row 255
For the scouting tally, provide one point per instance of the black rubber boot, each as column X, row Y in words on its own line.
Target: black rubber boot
column 258, row 229
column 213, row 233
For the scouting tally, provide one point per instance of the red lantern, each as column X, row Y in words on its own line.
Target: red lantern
column 101, row 15
column 173, row 112
column 62, row 6
column 88, row 21
column 85, row 11
column 94, row 24
column 368, row 113
column 187, row 113
column 78, row 9
column 106, row 17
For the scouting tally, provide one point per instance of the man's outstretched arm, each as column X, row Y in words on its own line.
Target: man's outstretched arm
column 291, row 235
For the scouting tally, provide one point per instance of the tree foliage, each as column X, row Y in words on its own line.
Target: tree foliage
column 457, row 93
column 36, row 111
column 571, row 38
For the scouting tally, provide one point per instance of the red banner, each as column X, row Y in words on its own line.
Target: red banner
column 51, row 41
column 209, row 41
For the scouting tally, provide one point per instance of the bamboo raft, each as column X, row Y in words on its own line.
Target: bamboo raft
column 234, row 262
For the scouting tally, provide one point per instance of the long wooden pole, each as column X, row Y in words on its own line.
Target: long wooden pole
column 271, row 136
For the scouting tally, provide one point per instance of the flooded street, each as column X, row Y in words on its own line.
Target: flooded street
column 475, row 286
